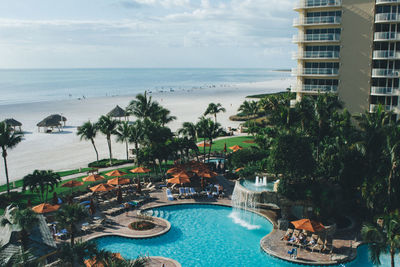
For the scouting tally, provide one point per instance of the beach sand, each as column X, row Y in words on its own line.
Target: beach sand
column 64, row 150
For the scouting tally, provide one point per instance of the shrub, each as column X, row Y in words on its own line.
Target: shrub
column 103, row 163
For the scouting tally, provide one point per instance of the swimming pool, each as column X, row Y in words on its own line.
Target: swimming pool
column 208, row 235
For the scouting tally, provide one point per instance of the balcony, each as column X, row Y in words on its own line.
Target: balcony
column 378, row 2
column 316, row 55
column 305, row 4
column 386, row 54
column 387, row 17
column 317, row 38
column 315, row 72
column 308, row 88
column 326, row 20
column 387, row 36
column 376, row 90
column 384, row 73
column 373, row 107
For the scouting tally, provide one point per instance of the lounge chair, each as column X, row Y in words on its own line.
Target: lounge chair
column 193, row 192
column 170, row 197
column 181, row 192
column 209, row 194
column 319, row 246
column 328, row 245
column 187, row 192
column 288, row 234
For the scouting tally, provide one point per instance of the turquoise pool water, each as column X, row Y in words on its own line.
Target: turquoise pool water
column 209, row 235
column 252, row 186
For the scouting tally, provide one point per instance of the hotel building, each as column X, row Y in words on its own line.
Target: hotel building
column 350, row 48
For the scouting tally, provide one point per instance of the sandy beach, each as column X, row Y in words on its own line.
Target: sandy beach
column 64, row 150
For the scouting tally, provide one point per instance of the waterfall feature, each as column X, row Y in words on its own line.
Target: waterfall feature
column 243, row 198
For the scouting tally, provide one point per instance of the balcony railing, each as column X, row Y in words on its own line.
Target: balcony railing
column 316, row 55
column 376, row 90
column 386, row 54
column 315, row 72
column 318, row 3
column 385, row 73
column 387, row 17
column 387, row 1
column 317, row 88
column 387, row 36
column 317, row 20
column 317, row 37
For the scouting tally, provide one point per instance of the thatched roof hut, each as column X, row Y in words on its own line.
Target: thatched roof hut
column 13, row 123
column 117, row 112
column 52, row 121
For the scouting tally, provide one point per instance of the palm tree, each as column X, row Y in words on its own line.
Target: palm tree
column 383, row 237
column 162, row 115
column 189, row 131
column 26, row 219
column 136, row 136
column 69, row 216
column 249, row 108
column 76, row 255
column 213, row 130
column 107, row 126
column 142, row 107
column 214, row 109
column 123, row 134
column 42, row 182
column 202, row 129
column 88, row 131
column 8, row 140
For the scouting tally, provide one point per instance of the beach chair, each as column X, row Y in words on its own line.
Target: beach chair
column 328, row 245
column 170, row 197
column 181, row 192
column 187, row 192
column 216, row 193
column 319, row 246
column 193, row 192
column 209, row 194
column 288, row 234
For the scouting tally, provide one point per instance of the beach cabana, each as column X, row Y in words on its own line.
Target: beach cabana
column 13, row 124
column 51, row 122
column 118, row 112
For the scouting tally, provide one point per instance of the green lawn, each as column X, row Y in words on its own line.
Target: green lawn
column 219, row 144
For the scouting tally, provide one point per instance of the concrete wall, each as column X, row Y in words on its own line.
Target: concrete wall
column 356, row 54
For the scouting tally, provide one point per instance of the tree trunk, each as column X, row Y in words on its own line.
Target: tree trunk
column 6, row 170
column 137, row 153
column 72, row 236
column 95, row 149
column 109, row 148
column 392, row 257
column 209, row 150
column 204, row 150
column 127, row 150
column 215, row 117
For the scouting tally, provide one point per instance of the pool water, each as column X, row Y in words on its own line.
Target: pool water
column 208, row 235
column 252, row 186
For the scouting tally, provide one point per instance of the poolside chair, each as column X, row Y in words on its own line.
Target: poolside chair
column 193, row 192
column 288, row 234
column 170, row 197
column 187, row 192
column 181, row 192
column 328, row 245
column 319, row 246
column 216, row 193
column 209, row 195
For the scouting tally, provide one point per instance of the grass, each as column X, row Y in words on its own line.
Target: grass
column 219, row 144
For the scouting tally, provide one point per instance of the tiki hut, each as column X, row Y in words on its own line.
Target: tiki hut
column 51, row 122
column 13, row 124
column 118, row 112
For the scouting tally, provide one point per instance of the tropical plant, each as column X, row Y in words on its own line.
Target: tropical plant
column 136, row 137
column 162, row 115
column 142, row 106
column 189, row 130
column 213, row 109
column 69, row 216
column 25, row 219
column 88, row 131
column 8, row 140
column 41, row 182
column 108, row 126
column 249, row 108
column 76, row 255
column 19, row 258
column 383, row 237
column 123, row 134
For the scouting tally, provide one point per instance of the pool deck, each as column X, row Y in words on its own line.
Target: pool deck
column 345, row 249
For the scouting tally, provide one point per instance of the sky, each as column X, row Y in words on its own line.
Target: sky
column 146, row 33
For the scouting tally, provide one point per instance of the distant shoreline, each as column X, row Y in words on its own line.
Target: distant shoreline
column 282, row 70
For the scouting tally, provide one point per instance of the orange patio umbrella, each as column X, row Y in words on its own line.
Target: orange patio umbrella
column 116, row 173
column 45, row 208
column 102, row 188
column 308, row 225
column 235, row 148
column 175, row 170
column 179, row 180
column 204, row 145
column 239, row 169
column 200, row 169
column 118, row 181
column 72, row 183
column 93, row 178
column 249, row 141
column 140, row 170
column 207, row 174
column 94, row 263
column 183, row 174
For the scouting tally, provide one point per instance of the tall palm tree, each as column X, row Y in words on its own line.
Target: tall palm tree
column 136, row 137
column 189, row 131
column 76, row 255
column 108, row 126
column 202, row 130
column 214, row 109
column 69, row 216
column 8, row 140
column 269, row 104
column 42, row 182
column 383, row 238
column 249, row 108
column 88, row 131
column 26, row 219
column 123, row 134
column 162, row 115
column 213, row 130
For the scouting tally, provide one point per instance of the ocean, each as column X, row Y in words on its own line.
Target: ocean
column 36, row 85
